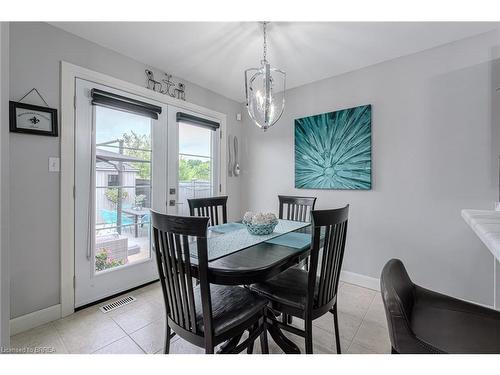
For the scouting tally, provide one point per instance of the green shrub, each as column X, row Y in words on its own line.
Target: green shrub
column 103, row 261
column 112, row 195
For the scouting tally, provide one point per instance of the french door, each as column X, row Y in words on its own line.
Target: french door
column 127, row 163
column 120, row 165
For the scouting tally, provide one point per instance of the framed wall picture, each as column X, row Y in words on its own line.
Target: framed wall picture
column 32, row 119
column 334, row 150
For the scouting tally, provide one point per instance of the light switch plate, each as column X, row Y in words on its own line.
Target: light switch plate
column 54, row 164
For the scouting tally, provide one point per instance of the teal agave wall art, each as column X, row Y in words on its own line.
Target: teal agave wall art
column 334, row 150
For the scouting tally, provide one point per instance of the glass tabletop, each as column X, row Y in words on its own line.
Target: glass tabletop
column 229, row 238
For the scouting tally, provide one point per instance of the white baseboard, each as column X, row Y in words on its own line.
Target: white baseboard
column 361, row 280
column 34, row 319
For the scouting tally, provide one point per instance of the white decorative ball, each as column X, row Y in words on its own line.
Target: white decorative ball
column 247, row 218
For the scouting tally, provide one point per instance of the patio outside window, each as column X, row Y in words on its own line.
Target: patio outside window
column 122, row 188
column 195, row 164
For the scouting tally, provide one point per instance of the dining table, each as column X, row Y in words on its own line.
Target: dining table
column 138, row 213
column 237, row 257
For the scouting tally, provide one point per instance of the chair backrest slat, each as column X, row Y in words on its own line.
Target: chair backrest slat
column 332, row 262
column 333, row 223
column 175, row 278
column 209, row 207
column 214, row 215
column 163, row 269
column 324, row 254
column 189, row 281
column 172, row 240
column 170, row 276
column 182, row 281
column 296, row 208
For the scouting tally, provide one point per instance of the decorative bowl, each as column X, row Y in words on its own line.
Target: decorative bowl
column 261, row 229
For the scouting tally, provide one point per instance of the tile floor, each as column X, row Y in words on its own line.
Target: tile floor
column 139, row 328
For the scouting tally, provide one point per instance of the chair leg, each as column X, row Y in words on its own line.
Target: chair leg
column 251, row 344
column 166, row 348
column 209, row 344
column 250, row 348
column 264, row 346
column 393, row 351
column 336, row 327
column 209, row 350
column 308, row 335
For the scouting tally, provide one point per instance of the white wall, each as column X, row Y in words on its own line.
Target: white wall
column 36, row 50
column 4, row 186
column 435, row 151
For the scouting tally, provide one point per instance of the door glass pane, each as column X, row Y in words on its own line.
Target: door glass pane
column 122, row 188
column 195, row 164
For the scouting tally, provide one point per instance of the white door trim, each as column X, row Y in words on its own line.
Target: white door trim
column 4, row 187
column 69, row 73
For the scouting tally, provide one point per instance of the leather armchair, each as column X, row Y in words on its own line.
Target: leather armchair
column 423, row 321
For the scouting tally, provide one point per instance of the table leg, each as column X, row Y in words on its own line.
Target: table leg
column 280, row 339
column 136, row 225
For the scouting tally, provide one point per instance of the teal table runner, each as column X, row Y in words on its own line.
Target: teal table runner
column 225, row 228
column 297, row 240
column 293, row 239
column 232, row 239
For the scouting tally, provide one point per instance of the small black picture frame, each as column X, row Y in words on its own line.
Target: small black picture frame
column 32, row 119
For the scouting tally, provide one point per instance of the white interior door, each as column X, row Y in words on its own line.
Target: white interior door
column 121, row 172
column 194, row 160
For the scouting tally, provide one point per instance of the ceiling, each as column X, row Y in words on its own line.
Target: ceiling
column 215, row 54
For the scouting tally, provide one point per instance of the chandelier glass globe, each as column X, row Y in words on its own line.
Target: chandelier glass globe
column 265, row 91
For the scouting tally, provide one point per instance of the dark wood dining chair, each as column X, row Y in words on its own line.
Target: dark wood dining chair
column 310, row 294
column 206, row 314
column 209, row 207
column 296, row 208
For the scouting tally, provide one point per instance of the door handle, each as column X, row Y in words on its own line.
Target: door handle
column 172, row 202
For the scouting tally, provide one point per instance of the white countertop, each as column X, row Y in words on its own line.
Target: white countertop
column 486, row 224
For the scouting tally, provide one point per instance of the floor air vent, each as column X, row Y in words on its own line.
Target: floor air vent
column 117, row 304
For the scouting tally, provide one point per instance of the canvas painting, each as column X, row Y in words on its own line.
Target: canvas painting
column 334, row 150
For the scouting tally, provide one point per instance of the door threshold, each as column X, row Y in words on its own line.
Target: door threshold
column 114, row 296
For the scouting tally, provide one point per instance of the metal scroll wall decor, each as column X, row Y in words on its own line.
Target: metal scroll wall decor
column 166, row 86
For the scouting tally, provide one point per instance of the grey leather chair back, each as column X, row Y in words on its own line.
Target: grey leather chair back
column 423, row 321
column 398, row 295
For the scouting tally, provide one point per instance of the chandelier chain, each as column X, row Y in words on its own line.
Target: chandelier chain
column 264, row 27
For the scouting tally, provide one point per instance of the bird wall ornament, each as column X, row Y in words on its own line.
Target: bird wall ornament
column 166, row 86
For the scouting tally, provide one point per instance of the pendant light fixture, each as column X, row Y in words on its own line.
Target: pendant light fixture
column 265, row 91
